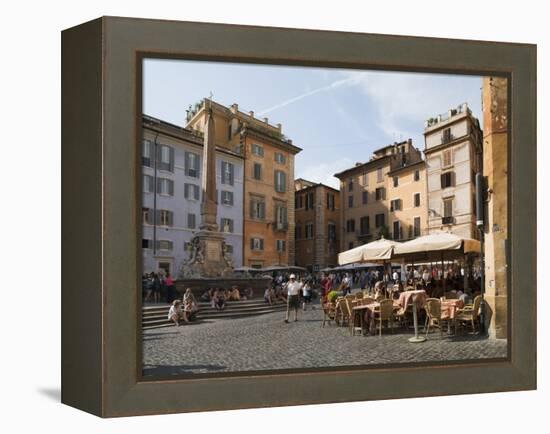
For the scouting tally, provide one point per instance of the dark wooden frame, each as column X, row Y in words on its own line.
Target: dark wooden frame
column 101, row 125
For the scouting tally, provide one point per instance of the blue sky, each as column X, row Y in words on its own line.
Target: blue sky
column 337, row 116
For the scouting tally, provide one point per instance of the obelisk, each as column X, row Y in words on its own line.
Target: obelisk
column 208, row 203
column 209, row 256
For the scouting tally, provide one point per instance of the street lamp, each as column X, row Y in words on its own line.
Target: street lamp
column 480, row 220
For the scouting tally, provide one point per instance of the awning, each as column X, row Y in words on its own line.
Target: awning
column 376, row 251
column 438, row 242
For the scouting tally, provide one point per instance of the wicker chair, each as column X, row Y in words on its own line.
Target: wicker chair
column 358, row 295
column 433, row 315
column 367, row 300
column 468, row 314
column 344, row 310
column 384, row 313
column 329, row 312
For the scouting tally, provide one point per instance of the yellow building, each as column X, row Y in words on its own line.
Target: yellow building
column 495, row 169
column 317, row 225
column 385, row 196
column 268, row 214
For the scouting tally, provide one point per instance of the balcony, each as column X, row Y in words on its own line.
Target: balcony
column 447, row 220
column 280, row 226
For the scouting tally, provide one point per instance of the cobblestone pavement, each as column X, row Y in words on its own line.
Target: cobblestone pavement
column 266, row 342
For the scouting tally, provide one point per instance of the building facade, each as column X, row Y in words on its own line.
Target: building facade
column 385, row 196
column 495, row 169
column 453, row 146
column 171, row 195
column 317, row 211
column 268, row 173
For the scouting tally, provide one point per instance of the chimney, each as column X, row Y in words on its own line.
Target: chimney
column 289, row 141
column 358, row 164
column 234, row 108
column 251, row 113
column 279, row 127
column 410, row 141
column 266, row 120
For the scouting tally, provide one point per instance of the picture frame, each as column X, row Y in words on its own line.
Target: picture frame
column 101, row 310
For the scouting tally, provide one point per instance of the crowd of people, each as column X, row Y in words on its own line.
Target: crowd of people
column 183, row 310
column 158, row 288
column 217, row 297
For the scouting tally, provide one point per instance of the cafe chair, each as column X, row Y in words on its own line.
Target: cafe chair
column 468, row 314
column 433, row 315
column 384, row 313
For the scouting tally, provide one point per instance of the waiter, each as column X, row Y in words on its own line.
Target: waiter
column 293, row 289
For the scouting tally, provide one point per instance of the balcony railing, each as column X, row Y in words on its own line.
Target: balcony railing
column 447, row 220
column 280, row 226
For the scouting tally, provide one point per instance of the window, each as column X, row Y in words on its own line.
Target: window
column 145, row 215
column 365, row 197
column 226, row 225
column 165, row 186
column 379, row 220
column 397, row 235
column 229, row 248
column 192, row 163
column 364, row 225
column 446, row 136
column 365, row 179
column 331, row 232
column 298, row 201
column 148, row 182
column 227, row 197
column 298, row 232
column 309, row 230
column 280, row 181
column 447, row 207
column 447, row 158
column 191, row 191
column 165, row 217
column 281, row 245
column 191, row 221
column 379, row 175
column 146, row 244
column 279, row 158
column 281, row 222
column 380, row 193
column 165, row 245
column 257, row 208
column 166, row 158
column 256, row 244
column 350, row 201
column 330, row 201
column 228, row 173
column 395, row 205
column 417, row 175
column 350, row 225
column 257, row 171
column 416, row 226
column 350, row 184
column 146, row 153
column 417, row 199
column 447, row 179
column 396, row 181
column 257, row 150
column 309, row 201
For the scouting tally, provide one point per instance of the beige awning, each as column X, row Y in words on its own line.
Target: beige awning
column 375, row 251
column 439, row 241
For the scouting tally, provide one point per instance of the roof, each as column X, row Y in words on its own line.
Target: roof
column 314, row 185
column 407, row 166
column 359, row 167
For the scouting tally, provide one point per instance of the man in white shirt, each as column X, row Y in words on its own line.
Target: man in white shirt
column 293, row 289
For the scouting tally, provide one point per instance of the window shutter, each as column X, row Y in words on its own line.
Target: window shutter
column 171, row 164
column 261, row 240
column 170, row 218
column 231, row 174
column 231, row 225
column 158, row 155
column 170, row 187
column 251, row 243
column 251, row 209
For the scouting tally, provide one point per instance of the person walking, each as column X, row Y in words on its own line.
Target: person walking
column 293, row 289
column 168, row 283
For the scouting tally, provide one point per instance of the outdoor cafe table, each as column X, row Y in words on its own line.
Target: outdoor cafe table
column 406, row 297
column 449, row 309
column 369, row 310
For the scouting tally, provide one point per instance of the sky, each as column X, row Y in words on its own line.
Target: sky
column 337, row 116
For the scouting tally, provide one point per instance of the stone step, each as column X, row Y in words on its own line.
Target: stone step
column 164, row 322
column 208, row 308
column 213, row 313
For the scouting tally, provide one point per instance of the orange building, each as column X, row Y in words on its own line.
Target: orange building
column 317, row 225
column 268, row 193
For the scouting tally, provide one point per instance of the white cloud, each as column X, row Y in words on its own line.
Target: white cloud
column 324, row 172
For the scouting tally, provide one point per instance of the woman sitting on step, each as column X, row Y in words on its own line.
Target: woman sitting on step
column 190, row 307
column 176, row 313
